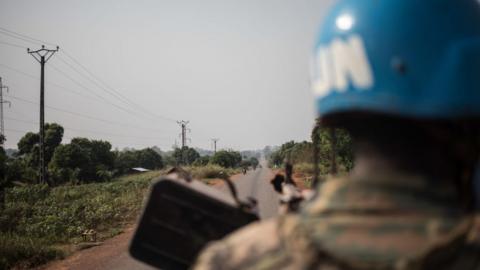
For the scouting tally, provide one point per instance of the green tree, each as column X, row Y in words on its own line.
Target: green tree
column 29, row 149
column 70, row 162
column 146, row 158
column 15, row 169
column 185, row 155
column 302, row 152
column 150, row 159
column 344, row 147
column 254, row 162
column 124, row 161
column 99, row 151
column 53, row 138
column 84, row 160
column 27, row 142
column 227, row 159
column 202, row 161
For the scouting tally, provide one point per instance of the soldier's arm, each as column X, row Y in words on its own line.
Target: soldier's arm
column 257, row 246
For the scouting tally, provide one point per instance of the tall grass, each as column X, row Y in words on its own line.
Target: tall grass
column 210, row 171
column 37, row 218
column 25, row 252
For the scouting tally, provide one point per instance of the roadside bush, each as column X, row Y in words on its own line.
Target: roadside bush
column 25, row 252
column 185, row 155
column 201, row 161
column 145, row 158
column 302, row 152
column 82, row 160
column 307, row 168
column 227, row 159
column 39, row 216
column 210, row 171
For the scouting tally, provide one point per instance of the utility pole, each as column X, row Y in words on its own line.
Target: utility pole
column 42, row 56
column 215, row 145
column 183, row 125
column 183, row 135
column 2, row 123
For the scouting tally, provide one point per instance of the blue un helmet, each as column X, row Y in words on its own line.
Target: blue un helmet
column 410, row 58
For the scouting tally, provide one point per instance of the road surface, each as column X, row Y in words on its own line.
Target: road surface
column 256, row 184
column 113, row 253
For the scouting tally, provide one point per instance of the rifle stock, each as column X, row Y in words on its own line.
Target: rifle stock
column 180, row 218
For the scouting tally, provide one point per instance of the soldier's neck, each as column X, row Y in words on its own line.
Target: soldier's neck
column 372, row 159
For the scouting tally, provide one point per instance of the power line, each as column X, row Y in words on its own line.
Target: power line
column 88, row 78
column 101, row 83
column 93, row 92
column 25, row 37
column 84, row 115
column 92, row 131
column 103, row 88
column 94, row 97
column 20, row 38
column 12, row 44
column 117, row 93
column 71, row 138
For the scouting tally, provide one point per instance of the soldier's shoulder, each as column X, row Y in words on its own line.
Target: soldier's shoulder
column 257, row 246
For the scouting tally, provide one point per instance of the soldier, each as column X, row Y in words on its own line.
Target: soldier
column 402, row 76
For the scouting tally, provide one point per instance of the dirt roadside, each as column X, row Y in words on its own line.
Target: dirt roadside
column 93, row 258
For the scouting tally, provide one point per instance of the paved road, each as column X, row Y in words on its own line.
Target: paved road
column 113, row 253
column 256, row 184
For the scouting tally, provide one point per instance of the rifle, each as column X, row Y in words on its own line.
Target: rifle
column 181, row 216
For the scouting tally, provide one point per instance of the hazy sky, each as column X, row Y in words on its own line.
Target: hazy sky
column 237, row 70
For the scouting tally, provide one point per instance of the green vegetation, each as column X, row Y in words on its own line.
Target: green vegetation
column 24, row 253
column 85, row 190
column 146, row 158
column 300, row 154
column 210, row 171
column 37, row 218
column 185, row 156
column 227, row 158
column 202, row 161
column 80, row 161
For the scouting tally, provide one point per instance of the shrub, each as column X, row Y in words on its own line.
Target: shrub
column 210, row 171
column 227, row 159
column 83, row 160
column 26, row 251
column 202, row 161
column 185, row 155
column 302, row 152
column 39, row 216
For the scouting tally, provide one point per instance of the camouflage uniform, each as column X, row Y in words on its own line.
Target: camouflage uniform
column 383, row 222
